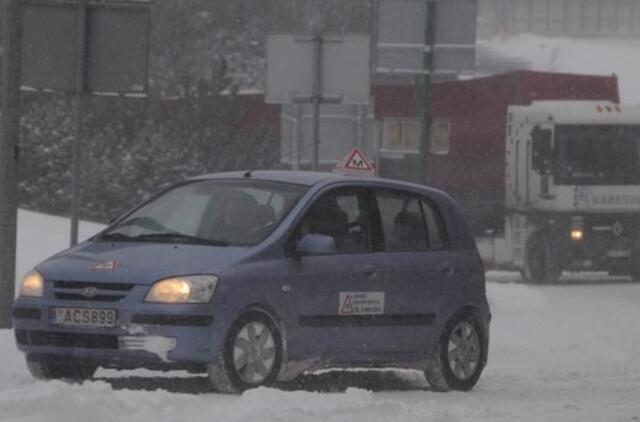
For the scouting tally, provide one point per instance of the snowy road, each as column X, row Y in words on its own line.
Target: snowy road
column 558, row 353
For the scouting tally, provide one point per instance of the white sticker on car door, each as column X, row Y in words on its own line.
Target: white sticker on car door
column 361, row 303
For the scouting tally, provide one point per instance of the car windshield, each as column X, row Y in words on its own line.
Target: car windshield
column 213, row 212
column 598, row 154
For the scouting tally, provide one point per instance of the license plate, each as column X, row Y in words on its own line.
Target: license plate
column 83, row 317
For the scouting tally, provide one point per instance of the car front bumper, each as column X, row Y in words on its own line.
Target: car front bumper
column 146, row 335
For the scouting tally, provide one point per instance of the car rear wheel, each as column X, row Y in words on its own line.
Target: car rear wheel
column 252, row 355
column 460, row 356
column 49, row 368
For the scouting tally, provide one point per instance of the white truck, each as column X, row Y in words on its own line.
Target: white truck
column 572, row 190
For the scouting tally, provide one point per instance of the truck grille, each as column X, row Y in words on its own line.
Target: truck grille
column 610, row 226
column 89, row 291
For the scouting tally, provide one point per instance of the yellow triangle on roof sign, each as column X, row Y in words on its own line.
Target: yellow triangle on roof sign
column 355, row 162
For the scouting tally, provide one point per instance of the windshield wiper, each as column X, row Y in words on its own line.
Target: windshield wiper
column 178, row 238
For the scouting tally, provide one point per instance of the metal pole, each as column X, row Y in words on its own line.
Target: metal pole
column 317, row 97
column 360, row 114
column 547, row 11
column 426, row 86
column 9, row 144
column 298, row 135
column 79, row 106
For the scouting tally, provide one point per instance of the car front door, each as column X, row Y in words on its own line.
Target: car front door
column 334, row 295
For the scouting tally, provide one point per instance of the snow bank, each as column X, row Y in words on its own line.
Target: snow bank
column 564, row 331
column 584, row 56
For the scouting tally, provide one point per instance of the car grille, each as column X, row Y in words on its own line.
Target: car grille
column 89, row 291
column 53, row 339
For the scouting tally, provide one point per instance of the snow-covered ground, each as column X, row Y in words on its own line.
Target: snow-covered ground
column 558, row 353
column 584, row 56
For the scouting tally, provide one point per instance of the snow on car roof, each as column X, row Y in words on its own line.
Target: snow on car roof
column 310, row 178
column 287, row 176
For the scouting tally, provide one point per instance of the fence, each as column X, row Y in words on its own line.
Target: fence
column 575, row 18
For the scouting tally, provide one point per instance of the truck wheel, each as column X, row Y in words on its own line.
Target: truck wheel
column 49, row 368
column 459, row 357
column 634, row 265
column 540, row 265
column 252, row 355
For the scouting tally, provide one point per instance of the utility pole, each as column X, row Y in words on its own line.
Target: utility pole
column 318, row 41
column 9, row 143
column 76, row 163
column 425, row 110
column 316, row 99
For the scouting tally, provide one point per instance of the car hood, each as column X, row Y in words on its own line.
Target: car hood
column 137, row 263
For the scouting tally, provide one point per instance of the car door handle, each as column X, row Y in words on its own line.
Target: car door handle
column 369, row 269
column 446, row 270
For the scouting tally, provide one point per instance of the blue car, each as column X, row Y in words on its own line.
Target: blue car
column 257, row 277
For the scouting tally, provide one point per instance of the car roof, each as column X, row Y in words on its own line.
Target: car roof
column 309, row 178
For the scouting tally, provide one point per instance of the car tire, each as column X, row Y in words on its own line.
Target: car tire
column 451, row 368
column 252, row 355
column 540, row 266
column 634, row 262
column 49, row 368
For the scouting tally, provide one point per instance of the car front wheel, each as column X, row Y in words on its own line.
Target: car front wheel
column 459, row 357
column 252, row 355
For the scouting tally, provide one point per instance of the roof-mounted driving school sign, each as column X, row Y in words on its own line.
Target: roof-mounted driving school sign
column 355, row 162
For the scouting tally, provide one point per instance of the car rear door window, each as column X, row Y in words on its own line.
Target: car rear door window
column 435, row 227
column 409, row 222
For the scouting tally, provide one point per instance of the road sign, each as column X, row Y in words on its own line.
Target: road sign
column 401, row 37
column 342, row 127
column 117, row 35
column 345, row 67
column 356, row 162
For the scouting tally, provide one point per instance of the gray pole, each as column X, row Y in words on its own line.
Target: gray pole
column 77, row 153
column 298, row 136
column 317, row 97
column 9, row 141
column 425, row 110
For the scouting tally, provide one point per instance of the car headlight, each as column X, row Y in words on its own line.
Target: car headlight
column 32, row 284
column 187, row 289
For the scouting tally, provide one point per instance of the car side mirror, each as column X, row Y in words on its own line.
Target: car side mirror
column 541, row 148
column 315, row 244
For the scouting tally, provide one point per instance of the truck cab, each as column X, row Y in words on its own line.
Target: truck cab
column 572, row 188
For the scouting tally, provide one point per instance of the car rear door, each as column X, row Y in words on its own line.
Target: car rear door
column 415, row 265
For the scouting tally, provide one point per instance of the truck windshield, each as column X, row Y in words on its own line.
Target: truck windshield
column 210, row 212
column 597, row 154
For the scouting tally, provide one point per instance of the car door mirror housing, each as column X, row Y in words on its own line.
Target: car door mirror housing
column 315, row 244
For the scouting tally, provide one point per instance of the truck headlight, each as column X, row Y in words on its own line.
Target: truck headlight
column 577, row 228
column 577, row 235
column 187, row 289
column 32, row 284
